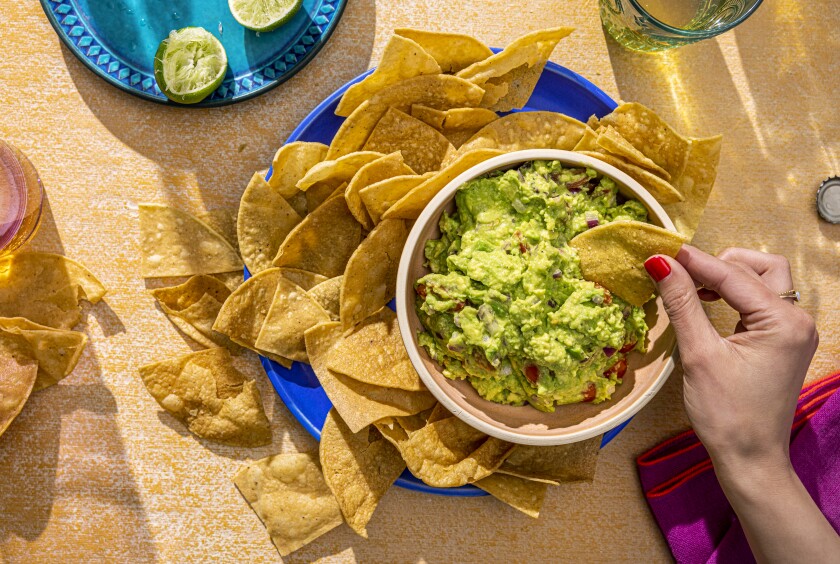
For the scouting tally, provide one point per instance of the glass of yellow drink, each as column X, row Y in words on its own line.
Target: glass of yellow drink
column 657, row 25
column 21, row 199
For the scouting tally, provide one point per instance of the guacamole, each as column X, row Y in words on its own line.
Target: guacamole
column 505, row 305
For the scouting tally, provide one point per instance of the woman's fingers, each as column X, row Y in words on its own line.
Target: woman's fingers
column 695, row 333
column 740, row 290
column 707, row 295
column 774, row 270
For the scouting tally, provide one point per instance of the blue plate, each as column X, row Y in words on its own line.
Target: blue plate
column 117, row 39
column 558, row 90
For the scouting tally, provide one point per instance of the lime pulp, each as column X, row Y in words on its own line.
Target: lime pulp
column 263, row 15
column 189, row 65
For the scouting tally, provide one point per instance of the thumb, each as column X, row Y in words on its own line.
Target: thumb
column 679, row 295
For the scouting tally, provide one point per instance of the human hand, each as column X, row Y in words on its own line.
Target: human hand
column 740, row 391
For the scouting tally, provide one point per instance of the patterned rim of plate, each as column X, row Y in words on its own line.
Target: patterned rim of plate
column 84, row 44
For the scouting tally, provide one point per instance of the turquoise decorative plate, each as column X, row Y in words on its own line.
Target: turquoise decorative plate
column 117, row 39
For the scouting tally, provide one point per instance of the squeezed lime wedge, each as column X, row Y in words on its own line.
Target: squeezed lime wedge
column 263, row 15
column 189, row 65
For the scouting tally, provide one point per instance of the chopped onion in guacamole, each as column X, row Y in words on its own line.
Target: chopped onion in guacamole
column 505, row 305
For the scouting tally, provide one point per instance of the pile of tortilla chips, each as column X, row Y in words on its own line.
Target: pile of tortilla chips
column 203, row 389
column 322, row 237
column 40, row 295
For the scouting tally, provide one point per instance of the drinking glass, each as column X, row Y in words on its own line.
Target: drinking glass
column 21, row 199
column 657, row 25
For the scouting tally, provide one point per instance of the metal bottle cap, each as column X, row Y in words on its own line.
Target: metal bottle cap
column 828, row 199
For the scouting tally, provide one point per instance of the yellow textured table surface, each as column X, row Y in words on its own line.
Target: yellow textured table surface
column 93, row 470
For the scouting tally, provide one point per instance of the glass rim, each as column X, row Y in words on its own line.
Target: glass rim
column 37, row 223
column 705, row 34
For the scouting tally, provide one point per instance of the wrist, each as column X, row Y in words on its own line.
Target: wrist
column 750, row 476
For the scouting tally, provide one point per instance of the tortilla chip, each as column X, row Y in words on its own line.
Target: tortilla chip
column 265, row 219
column 527, row 130
column 523, row 50
column 554, row 464
column 449, row 453
column 439, row 412
column 381, row 195
column 589, row 141
column 386, row 167
column 436, row 91
column 696, row 184
column 423, row 146
column 336, row 172
column 358, row 468
column 223, row 222
column 613, row 255
column 323, row 242
column 232, row 280
column 292, row 312
column 17, row 377
column 452, row 51
column 303, row 278
column 428, row 115
column 593, row 122
column 397, row 430
column 374, row 353
column 612, row 142
column 175, row 243
column 370, row 279
column 317, row 194
column 523, row 495
column 243, row 313
column 359, row 404
column 458, row 137
column 411, row 205
column 514, row 89
column 662, row 191
column 299, row 203
column 284, row 362
column 289, row 495
column 468, row 118
column 495, row 90
column 649, row 133
column 291, row 163
column 213, row 399
column 401, row 59
column 55, row 350
column 328, row 296
column 516, row 68
column 46, row 288
column 193, row 307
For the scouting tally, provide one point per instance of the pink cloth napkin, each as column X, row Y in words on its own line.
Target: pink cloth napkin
column 687, row 501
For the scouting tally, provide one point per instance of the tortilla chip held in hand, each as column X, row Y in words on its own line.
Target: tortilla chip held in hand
column 614, row 255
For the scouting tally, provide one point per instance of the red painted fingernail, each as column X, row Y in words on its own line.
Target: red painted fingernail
column 658, row 268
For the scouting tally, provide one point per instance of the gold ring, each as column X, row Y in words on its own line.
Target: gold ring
column 790, row 294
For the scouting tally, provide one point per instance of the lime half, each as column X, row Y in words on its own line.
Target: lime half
column 189, row 65
column 263, row 15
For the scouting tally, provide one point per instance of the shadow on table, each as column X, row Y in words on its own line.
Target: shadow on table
column 47, row 238
column 98, row 508
column 65, row 477
column 205, row 147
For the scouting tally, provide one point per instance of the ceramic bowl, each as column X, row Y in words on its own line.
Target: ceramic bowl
column 646, row 372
